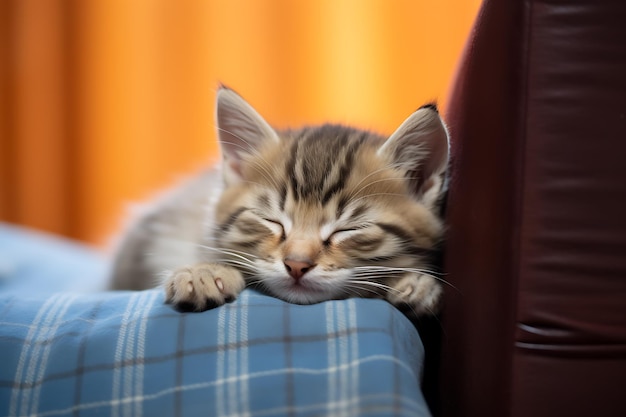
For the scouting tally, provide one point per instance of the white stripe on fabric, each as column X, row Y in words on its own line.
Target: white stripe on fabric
column 130, row 353
column 141, row 352
column 34, row 329
column 331, row 353
column 28, row 326
column 220, row 406
column 308, row 371
column 34, row 355
column 342, row 340
column 244, row 397
column 232, row 360
column 117, row 358
column 354, row 350
column 45, row 355
column 129, row 371
column 21, row 362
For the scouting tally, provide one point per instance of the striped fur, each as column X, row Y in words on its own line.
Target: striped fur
column 357, row 209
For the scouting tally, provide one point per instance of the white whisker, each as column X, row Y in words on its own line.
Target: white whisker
column 229, row 251
column 374, row 270
column 374, row 284
column 233, row 262
column 397, row 268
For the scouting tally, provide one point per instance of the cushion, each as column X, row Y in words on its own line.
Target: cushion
column 36, row 262
column 69, row 353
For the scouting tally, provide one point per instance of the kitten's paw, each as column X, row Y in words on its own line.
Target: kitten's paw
column 418, row 293
column 203, row 286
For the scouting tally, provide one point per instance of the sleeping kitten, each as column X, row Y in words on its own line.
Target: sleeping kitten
column 305, row 215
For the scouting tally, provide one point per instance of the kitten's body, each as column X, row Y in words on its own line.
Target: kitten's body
column 167, row 233
column 307, row 215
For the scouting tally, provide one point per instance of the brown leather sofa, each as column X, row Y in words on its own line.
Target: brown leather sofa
column 537, row 214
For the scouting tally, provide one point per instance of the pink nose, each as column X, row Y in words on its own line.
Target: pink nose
column 297, row 268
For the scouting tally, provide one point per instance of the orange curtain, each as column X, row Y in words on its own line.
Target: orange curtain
column 102, row 102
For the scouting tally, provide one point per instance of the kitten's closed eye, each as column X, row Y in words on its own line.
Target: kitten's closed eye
column 337, row 235
column 342, row 234
column 275, row 226
column 364, row 239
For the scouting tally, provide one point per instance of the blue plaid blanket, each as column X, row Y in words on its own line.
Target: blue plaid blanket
column 129, row 354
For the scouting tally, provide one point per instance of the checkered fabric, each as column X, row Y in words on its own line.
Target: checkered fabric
column 129, row 354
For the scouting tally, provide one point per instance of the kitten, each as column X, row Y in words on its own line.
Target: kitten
column 306, row 215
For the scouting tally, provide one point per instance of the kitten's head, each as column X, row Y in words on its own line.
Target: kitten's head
column 328, row 212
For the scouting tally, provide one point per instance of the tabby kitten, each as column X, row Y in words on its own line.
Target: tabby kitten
column 305, row 215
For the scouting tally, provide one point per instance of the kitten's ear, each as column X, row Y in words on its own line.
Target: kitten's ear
column 419, row 147
column 241, row 130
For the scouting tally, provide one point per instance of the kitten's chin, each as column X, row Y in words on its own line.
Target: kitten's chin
column 302, row 294
column 305, row 297
column 315, row 287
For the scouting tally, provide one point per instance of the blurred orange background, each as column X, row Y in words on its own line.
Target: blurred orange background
column 102, row 102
